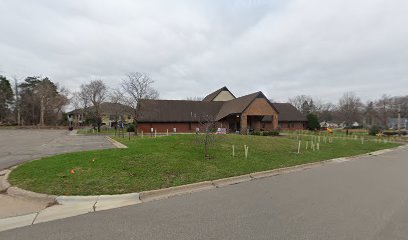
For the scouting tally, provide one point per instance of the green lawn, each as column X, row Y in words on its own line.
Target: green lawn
column 340, row 133
column 153, row 163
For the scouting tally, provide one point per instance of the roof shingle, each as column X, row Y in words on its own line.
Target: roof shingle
column 236, row 105
column 213, row 95
column 287, row 112
column 176, row 110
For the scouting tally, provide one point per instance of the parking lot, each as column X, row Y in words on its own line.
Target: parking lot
column 20, row 145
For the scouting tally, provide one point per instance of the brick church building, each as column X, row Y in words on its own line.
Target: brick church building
column 252, row 112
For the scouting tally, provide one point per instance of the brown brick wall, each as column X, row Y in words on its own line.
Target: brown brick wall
column 267, row 126
column 162, row 127
column 292, row 125
column 259, row 107
column 244, row 123
column 184, row 127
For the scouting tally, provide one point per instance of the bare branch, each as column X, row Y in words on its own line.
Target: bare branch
column 137, row 86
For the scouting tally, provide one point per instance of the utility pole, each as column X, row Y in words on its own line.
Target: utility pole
column 399, row 120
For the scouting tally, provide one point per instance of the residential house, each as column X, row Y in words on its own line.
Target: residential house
column 392, row 123
column 111, row 113
column 325, row 125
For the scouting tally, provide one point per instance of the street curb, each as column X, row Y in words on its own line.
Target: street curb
column 69, row 200
column 95, row 200
column 115, row 143
column 21, row 193
column 17, row 221
column 232, row 180
column 4, row 172
column 119, row 197
column 4, row 184
column 147, row 196
column 106, row 202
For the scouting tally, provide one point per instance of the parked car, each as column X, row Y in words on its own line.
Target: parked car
column 394, row 132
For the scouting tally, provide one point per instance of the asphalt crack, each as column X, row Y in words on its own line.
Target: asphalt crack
column 35, row 218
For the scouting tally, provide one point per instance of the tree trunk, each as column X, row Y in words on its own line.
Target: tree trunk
column 135, row 124
column 206, row 155
column 42, row 112
column 18, row 118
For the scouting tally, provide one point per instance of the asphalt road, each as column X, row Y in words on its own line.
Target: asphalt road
column 366, row 198
column 17, row 146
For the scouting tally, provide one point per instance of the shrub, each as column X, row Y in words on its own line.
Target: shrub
column 374, row 130
column 266, row 133
column 271, row 133
column 130, row 128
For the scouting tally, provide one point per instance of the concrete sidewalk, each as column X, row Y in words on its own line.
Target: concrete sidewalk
column 25, row 211
column 17, row 202
column 14, row 206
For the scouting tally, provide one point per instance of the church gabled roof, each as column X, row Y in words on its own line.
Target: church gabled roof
column 210, row 97
column 191, row 111
column 238, row 105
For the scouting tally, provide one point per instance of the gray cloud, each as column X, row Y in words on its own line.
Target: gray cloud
column 284, row 48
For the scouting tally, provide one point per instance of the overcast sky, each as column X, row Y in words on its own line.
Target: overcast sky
column 283, row 48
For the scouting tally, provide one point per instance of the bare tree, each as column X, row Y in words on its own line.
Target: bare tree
column 194, row 98
column 60, row 101
column 208, row 125
column 96, row 92
column 137, row 86
column 116, row 96
column 350, row 107
column 370, row 114
column 384, row 107
column 302, row 102
column 118, row 109
column 80, row 102
column 325, row 111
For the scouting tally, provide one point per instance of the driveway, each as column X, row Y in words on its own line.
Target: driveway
column 17, row 146
column 365, row 198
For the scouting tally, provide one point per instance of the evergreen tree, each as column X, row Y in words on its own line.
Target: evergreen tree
column 312, row 122
column 6, row 97
column 40, row 101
